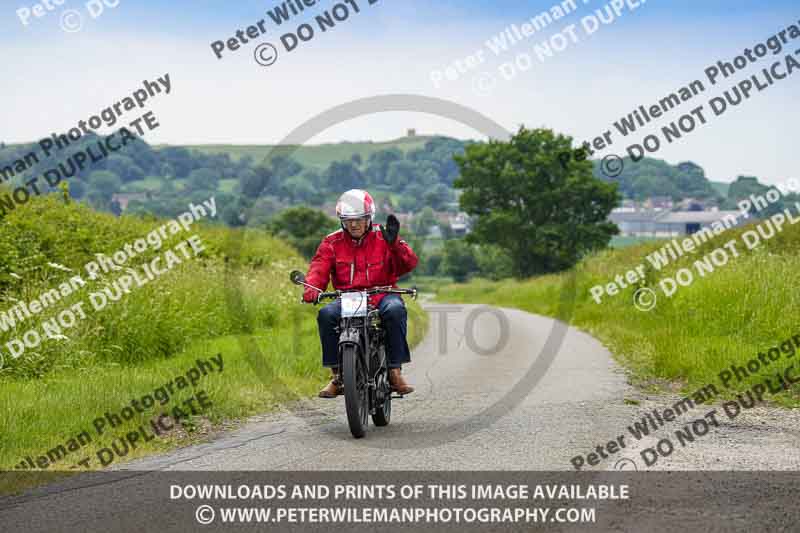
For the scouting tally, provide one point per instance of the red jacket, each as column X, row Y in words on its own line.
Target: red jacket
column 352, row 265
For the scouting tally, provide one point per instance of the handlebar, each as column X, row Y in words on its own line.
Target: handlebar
column 376, row 290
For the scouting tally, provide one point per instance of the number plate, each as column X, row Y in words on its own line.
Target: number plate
column 354, row 304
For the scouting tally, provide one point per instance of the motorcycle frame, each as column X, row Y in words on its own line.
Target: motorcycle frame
column 355, row 331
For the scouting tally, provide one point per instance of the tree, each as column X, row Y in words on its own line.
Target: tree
column 315, row 179
column 298, row 190
column 493, row 262
column 378, row 164
column 746, row 186
column 124, row 167
column 77, row 188
column 429, row 263
column 257, row 182
column 408, row 203
column 459, row 260
column 544, row 214
column 233, row 215
column 285, row 167
column 303, row 227
column 344, row 175
column 437, row 196
column 262, row 211
column 102, row 186
column 401, row 173
column 446, row 230
column 203, row 179
column 438, row 154
column 179, row 159
column 104, row 182
column 423, row 222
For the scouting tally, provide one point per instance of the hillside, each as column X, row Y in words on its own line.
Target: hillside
column 413, row 172
column 318, row 156
column 721, row 188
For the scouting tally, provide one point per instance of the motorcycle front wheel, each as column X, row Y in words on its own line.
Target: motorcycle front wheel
column 354, row 376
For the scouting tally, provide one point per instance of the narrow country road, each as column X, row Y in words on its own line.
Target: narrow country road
column 464, row 414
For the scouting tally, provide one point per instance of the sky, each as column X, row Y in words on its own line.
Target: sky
column 80, row 57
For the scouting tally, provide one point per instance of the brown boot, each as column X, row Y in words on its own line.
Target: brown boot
column 335, row 387
column 397, row 382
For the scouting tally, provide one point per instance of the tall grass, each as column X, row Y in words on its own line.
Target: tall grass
column 189, row 302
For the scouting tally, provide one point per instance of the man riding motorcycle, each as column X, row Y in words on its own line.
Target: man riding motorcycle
column 361, row 256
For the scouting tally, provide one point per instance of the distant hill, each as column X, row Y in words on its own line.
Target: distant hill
column 318, row 156
column 654, row 177
column 409, row 172
column 721, row 188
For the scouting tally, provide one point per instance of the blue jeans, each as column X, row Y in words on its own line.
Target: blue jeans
column 395, row 321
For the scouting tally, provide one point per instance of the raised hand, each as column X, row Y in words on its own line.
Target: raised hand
column 391, row 230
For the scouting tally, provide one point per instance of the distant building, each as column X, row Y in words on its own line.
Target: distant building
column 660, row 223
column 123, row 198
column 692, row 204
column 460, row 224
column 411, row 133
column 658, row 203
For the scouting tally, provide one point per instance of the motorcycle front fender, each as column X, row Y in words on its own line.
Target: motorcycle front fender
column 350, row 336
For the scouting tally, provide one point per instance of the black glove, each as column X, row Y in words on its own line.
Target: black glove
column 391, row 230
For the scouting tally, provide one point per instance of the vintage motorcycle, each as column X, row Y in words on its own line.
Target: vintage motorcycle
column 362, row 355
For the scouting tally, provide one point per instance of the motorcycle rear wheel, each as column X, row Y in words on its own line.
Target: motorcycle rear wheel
column 383, row 414
column 383, row 411
column 354, row 376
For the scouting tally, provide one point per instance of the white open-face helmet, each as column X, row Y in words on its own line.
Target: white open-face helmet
column 355, row 203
